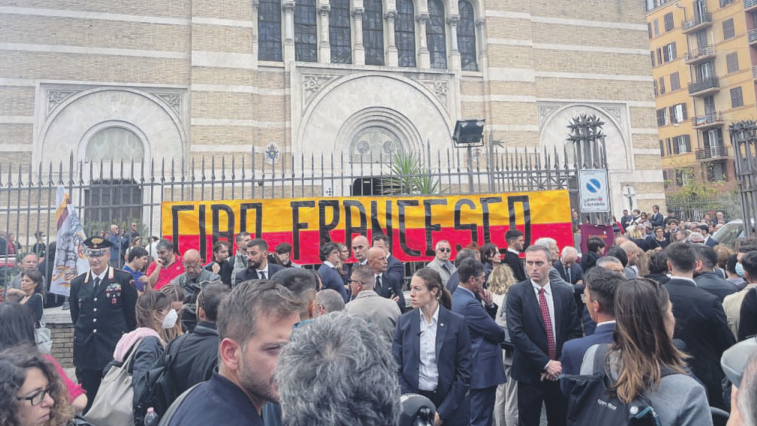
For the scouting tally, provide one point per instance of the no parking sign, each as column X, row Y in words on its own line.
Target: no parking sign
column 595, row 198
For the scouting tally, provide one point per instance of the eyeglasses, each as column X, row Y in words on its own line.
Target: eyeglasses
column 444, row 250
column 37, row 397
column 355, row 281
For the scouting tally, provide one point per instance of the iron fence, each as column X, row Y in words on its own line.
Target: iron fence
column 129, row 192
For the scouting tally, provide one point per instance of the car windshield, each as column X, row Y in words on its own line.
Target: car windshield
column 729, row 233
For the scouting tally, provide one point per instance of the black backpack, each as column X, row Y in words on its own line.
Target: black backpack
column 590, row 402
column 160, row 390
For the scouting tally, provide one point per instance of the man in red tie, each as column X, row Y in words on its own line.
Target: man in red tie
column 540, row 319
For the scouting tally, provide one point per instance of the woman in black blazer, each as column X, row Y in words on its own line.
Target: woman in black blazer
column 432, row 349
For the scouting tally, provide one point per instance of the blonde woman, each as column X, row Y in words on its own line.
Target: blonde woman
column 506, row 402
column 642, row 262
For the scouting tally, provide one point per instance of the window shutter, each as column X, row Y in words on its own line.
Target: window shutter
column 674, row 54
column 687, row 138
column 659, row 55
column 670, row 148
column 675, row 145
column 672, row 112
column 685, row 112
column 652, row 56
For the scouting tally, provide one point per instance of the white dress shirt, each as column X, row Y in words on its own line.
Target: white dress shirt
column 329, row 264
column 428, row 373
column 514, row 251
column 691, row 280
column 264, row 271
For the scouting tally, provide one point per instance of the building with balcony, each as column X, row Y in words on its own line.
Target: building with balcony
column 718, row 64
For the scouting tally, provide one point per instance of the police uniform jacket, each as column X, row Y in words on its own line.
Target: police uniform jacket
column 101, row 316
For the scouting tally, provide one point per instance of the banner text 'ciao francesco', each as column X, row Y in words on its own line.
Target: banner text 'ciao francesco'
column 414, row 223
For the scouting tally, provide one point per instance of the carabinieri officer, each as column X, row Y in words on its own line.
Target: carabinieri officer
column 103, row 303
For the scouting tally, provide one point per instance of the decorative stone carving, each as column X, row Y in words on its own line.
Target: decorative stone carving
column 453, row 20
column 614, row 113
column 480, row 22
column 56, row 97
column 312, row 84
column 358, row 12
column 422, row 18
column 324, row 9
column 390, row 15
column 440, row 88
column 288, row 6
column 173, row 100
column 544, row 112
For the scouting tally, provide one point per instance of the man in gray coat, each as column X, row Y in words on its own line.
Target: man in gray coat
column 380, row 312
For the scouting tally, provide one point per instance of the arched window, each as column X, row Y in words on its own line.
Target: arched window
column 305, row 32
column 339, row 32
column 269, row 30
column 435, row 29
column 116, row 144
column 466, row 36
column 404, row 33
column 373, row 32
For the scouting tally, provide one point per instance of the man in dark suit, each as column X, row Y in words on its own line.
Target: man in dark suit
column 700, row 321
column 540, row 318
column 657, row 218
column 487, row 370
column 708, row 240
column 394, row 268
column 454, row 279
column 515, row 243
column 103, row 308
column 626, row 219
column 706, row 279
column 599, row 292
column 569, row 270
column 384, row 285
column 258, row 267
column 330, row 278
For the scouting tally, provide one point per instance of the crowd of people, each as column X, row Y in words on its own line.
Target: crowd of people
column 500, row 335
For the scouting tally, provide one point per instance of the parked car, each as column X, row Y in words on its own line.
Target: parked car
column 730, row 232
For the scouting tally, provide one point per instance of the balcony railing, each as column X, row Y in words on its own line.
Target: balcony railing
column 704, row 85
column 699, row 21
column 698, row 54
column 752, row 35
column 712, row 152
column 749, row 4
column 708, row 120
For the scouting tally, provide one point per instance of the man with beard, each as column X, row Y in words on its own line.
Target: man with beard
column 254, row 324
column 190, row 281
column 283, row 256
column 258, row 267
column 220, row 264
column 167, row 265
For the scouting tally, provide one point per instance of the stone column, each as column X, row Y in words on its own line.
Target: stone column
column 454, row 54
column 424, row 60
column 325, row 46
column 480, row 45
column 288, row 8
column 359, row 56
column 392, row 58
column 254, row 29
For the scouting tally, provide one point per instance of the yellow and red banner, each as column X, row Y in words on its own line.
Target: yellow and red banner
column 414, row 223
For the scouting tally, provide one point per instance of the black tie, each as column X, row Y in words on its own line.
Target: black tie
column 97, row 284
column 262, row 275
column 568, row 272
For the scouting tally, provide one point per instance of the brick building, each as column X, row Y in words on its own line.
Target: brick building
column 702, row 54
column 111, row 79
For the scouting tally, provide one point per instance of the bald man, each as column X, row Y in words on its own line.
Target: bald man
column 383, row 284
column 190, row 280
column 360, row 248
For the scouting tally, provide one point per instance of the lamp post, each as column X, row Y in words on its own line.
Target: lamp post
column 468, row 134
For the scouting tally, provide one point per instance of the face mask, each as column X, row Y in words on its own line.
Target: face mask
column 740, row 270
column 170, row 319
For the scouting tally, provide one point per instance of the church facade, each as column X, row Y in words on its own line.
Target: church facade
column 182, row 79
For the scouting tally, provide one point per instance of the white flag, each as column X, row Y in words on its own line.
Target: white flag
column 70, row 259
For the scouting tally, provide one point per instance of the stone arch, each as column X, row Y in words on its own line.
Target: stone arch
column 94, row 130
column 65, row 130
column 554, row 132
column 393, row 122
column 400, row 103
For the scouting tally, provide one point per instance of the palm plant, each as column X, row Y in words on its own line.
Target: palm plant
column 409, row 176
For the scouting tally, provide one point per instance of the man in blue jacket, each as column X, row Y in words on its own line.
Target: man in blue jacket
column 487, row 371
column 599, row 292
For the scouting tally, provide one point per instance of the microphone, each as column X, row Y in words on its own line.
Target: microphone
column 417, row 410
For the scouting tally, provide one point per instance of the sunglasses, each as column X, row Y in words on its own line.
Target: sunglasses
column 444, row 250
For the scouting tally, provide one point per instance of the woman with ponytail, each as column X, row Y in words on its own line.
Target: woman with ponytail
column 442, row 373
